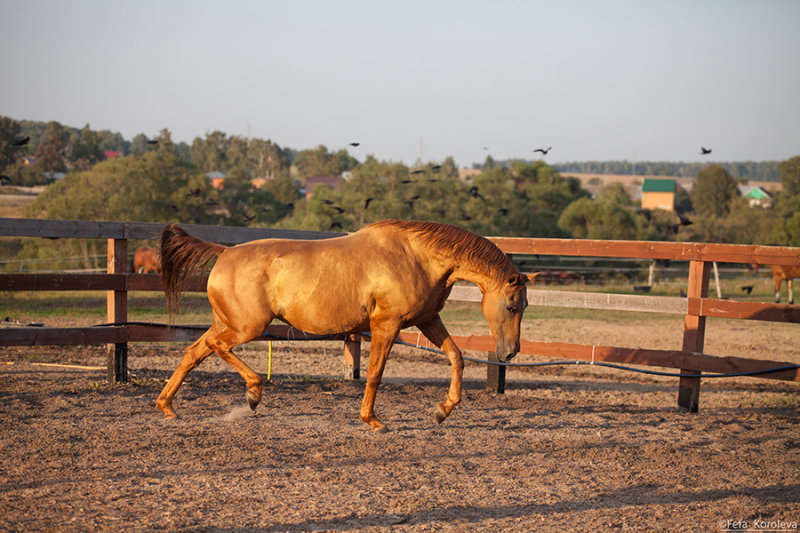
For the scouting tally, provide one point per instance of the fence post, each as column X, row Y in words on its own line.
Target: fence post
column 117, row 312
column 352, row 357
column 694, row 332
column 495, row 375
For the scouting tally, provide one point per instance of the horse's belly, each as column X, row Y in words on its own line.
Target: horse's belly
column 327, row 320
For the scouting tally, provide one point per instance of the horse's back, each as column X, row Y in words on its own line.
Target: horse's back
column 326, row 286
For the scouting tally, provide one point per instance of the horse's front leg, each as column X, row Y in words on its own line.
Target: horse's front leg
column 380, row 346
column 435, row 331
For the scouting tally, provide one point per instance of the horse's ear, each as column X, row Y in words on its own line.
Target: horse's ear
column 516, row 279
column 531, row 277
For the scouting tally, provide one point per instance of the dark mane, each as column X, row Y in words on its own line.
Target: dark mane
column 458, row 242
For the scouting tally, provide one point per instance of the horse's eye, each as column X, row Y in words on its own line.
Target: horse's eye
column 510, row 308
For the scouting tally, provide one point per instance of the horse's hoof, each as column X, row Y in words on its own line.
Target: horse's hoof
column 252, row 402
column 253, row 399
column 439, row 414
column 380, row 429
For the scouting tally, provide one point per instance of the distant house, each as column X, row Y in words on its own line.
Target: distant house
column 331, row 181
column 659, row 194
column 755, row 195
column 217, row 179
column 466, row 174
column 111, row 154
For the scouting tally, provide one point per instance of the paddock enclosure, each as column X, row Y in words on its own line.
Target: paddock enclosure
column 565, row 448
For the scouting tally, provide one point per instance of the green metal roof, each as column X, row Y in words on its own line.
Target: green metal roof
column 658, row 185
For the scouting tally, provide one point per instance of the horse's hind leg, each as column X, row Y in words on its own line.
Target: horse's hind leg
column 435, row 331
column 222, row 346
column 791, row 291
column 194, row 355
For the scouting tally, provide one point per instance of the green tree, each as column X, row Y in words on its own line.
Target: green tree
column 713, row 191
column 317, row 162
column 85, row 149
column 790, row 176
column 51, row 154
column 600, row 219
column 10, row 131
column 152, row 187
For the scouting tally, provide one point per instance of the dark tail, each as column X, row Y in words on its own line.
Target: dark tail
column 182, row 256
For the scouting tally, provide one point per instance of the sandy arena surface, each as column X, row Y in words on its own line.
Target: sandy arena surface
column 565, row 449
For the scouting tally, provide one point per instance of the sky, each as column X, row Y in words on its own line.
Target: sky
column 634, row 80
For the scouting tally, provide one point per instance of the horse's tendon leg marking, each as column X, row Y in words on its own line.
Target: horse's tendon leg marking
column 193, row 356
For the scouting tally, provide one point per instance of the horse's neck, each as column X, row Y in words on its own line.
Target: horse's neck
column 479, row 276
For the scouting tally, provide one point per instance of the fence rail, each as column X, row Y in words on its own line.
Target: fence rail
column 695, row 308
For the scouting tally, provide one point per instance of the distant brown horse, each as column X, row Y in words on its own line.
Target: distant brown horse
column 388, row 276
column 780, row 273
column 145, row 260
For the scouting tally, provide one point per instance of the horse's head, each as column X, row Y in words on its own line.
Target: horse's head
column 503, row 308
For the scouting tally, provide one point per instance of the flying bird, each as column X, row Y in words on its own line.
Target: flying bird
column 465, row 216
column 436, row 168
column 327, row 202
column 544, row 150
column 247, row 218
column 410, row 204
column 21, row 142
column 367, row 201
column 684, row 220
column 337, row 209
column 418, row 171
column 747, row 288
column 705, row 151
column 503, row 211
column 152, row 141
column 336, row 225
column 193, row 193
column 354, row 144
column 473, row 191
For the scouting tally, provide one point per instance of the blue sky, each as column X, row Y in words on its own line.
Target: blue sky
column 611, row 80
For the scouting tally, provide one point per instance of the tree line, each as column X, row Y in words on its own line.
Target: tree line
column 743, row 171
column 162, row 181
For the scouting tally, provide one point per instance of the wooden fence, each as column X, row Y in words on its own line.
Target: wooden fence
column 695, row 307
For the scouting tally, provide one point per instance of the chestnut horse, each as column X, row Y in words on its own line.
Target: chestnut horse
column 388, row 276
column 780, row 273
column 145, row 260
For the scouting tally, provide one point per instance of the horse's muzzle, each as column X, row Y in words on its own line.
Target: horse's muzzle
column 505, row 355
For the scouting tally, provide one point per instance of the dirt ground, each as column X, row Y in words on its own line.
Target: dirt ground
column 570, row 448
